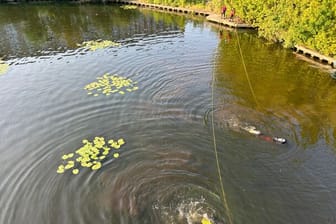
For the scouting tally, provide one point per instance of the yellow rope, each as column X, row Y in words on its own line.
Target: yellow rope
column 247, row 76
column 225, row 203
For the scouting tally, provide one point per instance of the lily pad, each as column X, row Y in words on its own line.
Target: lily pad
column 96, row 166
column 108, row 84
column 94, row 45
column 90, row 155
column 105, row 153
column 60, row 171
column 69, row 166
column 121, row 141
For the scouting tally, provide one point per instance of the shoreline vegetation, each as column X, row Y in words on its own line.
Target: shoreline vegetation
column 318, row 45
column 305, row 24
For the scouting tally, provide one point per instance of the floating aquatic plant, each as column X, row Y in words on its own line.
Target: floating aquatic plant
column 3, row 67
column 98, row 44
column 128, row 7
column 108, row 84
column 90, row 155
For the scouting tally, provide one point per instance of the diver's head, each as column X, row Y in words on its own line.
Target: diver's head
column 279, row 140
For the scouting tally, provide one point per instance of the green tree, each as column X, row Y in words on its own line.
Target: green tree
column 306, row 22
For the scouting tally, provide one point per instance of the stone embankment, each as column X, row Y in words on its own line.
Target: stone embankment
column 315, row 55
column 164, row 8
column 235, row 23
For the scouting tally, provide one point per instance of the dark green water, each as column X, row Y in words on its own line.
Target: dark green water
column 166, row 172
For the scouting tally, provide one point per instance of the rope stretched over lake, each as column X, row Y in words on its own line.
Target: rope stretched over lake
column 225, row 203
column 247, row 75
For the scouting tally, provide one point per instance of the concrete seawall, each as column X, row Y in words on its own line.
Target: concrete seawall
column 209, row 16
column 315, row 55
column 227, row 22
column 164, row 8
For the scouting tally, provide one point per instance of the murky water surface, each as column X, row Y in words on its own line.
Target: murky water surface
column 166, row 171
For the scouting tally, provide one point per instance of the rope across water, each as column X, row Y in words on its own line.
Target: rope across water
column 224, row 198
column 244, row 65
column 225, row 203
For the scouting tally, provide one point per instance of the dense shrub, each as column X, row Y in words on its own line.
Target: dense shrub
column 304, row 22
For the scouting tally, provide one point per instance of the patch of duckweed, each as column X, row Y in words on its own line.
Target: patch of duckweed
column 75, row 171
column 90, row 155
column 127, row 7
column 108, row 84
column 3, row 67
column 98, row 44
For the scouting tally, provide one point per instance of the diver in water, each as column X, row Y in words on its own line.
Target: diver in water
column 275, row 139
column 253, row 130
column 233, row 121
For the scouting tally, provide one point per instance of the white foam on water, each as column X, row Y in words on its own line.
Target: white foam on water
column 190, row 211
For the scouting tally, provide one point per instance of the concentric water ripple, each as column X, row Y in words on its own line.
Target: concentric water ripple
column 166, row 172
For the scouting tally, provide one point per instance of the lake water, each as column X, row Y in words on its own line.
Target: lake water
column 187, row 72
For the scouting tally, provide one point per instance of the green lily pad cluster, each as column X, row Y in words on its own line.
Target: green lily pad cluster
column 90, row 155
column 3, row 67
column 98, row 44
column 108, row 84
column 128, row 7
